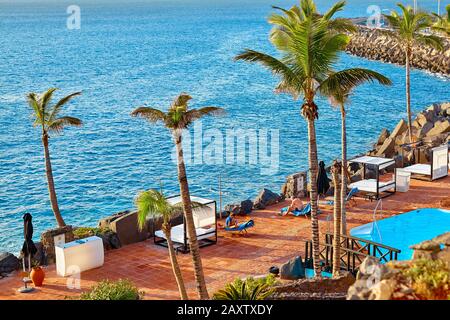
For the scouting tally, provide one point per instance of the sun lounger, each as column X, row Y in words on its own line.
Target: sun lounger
column 242, row 227
column 303, row 212
column 438, row 168
column 348, row 198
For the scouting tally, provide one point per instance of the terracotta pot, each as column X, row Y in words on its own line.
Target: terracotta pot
column 37, row 275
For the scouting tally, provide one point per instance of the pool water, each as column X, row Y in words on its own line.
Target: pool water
column 405, row 230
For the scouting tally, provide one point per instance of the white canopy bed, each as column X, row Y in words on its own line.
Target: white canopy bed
column 436, row 169
column 374, row 188
column 205, row 221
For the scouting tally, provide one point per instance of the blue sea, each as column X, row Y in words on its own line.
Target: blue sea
column 130, row 53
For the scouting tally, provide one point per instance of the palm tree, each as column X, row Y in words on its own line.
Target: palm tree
column 47, row 117
column 335, row 171
column 310, row 45
column 409, row 27
column 442, row 23
column 153, row 203
column 176, row 119
column 339, row 93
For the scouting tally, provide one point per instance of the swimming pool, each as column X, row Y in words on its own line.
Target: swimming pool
column 407, row 229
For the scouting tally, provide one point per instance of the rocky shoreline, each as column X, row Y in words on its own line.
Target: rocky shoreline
column 376, row 44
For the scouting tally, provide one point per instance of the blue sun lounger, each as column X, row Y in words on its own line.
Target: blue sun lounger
column 304, row 212
column 242, row 227
column 349, row 197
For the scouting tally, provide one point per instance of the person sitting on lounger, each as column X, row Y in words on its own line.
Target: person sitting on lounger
column 231, row 224
column 296, row 205
column 231, row 221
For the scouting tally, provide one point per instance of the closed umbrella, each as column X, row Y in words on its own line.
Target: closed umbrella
column 323, row 183
column 28, row 249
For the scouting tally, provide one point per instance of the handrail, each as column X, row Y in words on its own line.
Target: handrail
column 353, row 251
column 366, row 241
column 374, row 223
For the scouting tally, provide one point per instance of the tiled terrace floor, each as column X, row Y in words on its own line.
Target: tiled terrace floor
column 272, row 241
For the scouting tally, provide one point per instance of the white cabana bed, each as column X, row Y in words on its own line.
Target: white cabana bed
column 374, row 188
column 205, row 221
column 438, row 167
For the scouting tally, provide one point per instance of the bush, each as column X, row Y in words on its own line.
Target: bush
column 84, row 232
column 122, row 289
column 430, row 279
column 248, row 289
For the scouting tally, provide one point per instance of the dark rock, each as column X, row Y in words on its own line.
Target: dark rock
column 39, row 258
column 8, row 263
column 246, row 207
column 274, row 270
column 234, row 208
column 293, row 269
column 266, row 198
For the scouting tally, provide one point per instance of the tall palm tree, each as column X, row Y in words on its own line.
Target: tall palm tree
column 339, row 93
column 176, row 119
column 47, row 117
column 409, row 27
column 336, row 171
column 442, row 23
column 310, row 45
column 153, row 203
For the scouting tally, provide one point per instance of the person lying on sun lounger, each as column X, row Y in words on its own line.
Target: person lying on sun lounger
column 296, row 205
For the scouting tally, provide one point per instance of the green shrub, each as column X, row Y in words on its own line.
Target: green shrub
column 430, row 279
column 122, row 289
column 248, row 289
column 84, row 232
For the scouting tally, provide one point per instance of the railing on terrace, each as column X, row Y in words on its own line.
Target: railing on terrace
column 353, row 251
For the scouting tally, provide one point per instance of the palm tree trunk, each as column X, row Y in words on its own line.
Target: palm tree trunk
column 174, row 262
column 337, row 220
column 408, row 91
column 187, row 207
column 344, row 170
column 313, row 168
column 51, row 183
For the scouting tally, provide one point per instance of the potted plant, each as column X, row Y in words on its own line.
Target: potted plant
column 37, row 275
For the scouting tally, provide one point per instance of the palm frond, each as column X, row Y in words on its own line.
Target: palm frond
column 290, row 80
column 430, row 40
column 342, row 25
column 338, row 6
column 181, row 100
column 151, row 114
column 46, row 97
column 59, row 124
column 341, row 83
column 58, row 106
column 38, row 113
column 152, row 203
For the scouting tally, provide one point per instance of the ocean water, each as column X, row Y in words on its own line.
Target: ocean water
column 130, row 53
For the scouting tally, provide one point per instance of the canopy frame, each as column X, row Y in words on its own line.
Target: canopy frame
column 379, row 164
column 207, row 238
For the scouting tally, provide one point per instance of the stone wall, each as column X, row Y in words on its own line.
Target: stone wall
column 48, row 244
column 314, row 289
column 375, row 44
column 431, row 126
column 294, row 186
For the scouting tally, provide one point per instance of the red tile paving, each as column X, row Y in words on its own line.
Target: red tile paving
column 272, row 241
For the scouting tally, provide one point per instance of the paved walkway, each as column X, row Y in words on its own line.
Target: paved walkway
column 272, row 241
